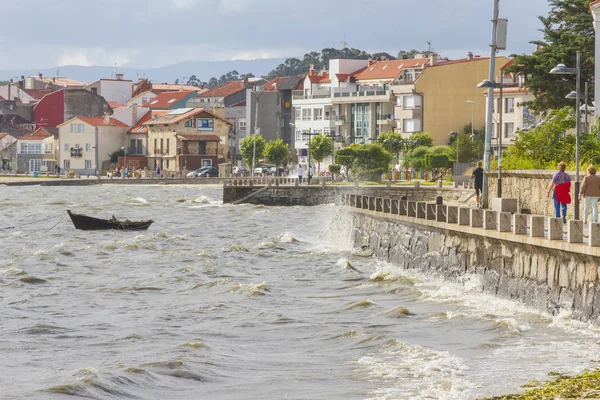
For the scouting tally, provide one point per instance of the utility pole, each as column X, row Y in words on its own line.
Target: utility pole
column 490, row 104
column 257, row 96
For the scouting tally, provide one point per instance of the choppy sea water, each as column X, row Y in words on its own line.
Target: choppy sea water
column 243, row 302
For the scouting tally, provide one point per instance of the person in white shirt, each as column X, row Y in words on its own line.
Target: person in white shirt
column 299, row 174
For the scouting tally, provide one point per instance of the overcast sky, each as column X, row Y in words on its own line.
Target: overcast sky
column 154, row 33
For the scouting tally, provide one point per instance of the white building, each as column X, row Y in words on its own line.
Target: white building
column 595, row 8
column 86, row 142
column 116, row 90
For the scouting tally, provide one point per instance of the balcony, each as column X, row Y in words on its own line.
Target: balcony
column 76, row 151
column 340, row 120
column 312, row 96
column 386, row 119
column 379, row 95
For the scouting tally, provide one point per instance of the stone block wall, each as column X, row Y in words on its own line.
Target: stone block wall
column 530, row 188
column 547, row 280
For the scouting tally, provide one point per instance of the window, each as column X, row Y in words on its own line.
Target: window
column 31, row 148
column 242, row 126
column 167, row 146
column 88, row 164
column 66, row 165
column 155, row 145
column 411, row 102
column 48, row 148
column 318, row 113
column 510, row 105
column 167, row 164
column 144, row 100
column 34, row 165
column 298, row 135
column 411, row 125
column 298, row 113
column 509, row 127
column 67, row 147
column 306, row 114
column 136, row 146
column 161, row 146
column 77, row 128
column 88, row 147
column 189, row 123
column 204, row 124
column 95, row 90
column 306, row 93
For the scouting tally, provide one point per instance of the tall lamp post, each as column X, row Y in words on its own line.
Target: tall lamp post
column 561, row 69
column 124, row 160
column 257, row 95
column 497, row 85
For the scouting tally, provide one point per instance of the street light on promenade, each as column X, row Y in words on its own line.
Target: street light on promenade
column 497, row 85
column 561, row 69
column 309, row 134
column 124, row 160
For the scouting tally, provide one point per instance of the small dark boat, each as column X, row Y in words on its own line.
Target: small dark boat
column 86, row 223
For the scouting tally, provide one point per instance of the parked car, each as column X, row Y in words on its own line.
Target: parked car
column 240, row 171
column 261, row 170
column 212, row 172
column 196, row 173
column 276, row 171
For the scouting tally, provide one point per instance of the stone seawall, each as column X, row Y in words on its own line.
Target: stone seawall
column 314, row 195
column 548, row 280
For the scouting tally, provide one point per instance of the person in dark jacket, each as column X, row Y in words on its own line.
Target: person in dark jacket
column 478, row 176
column 561, row 184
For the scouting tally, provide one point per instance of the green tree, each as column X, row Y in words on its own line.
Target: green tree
column 247, row 149
column 417, row 158
column 276, row 152
column 345, row 158
column 548, row 144
column 421, row 139
column 437, row 161
column 193, row 81
column 567, row 28
column 463, row 148
column 372, row 160
column 391, row 141
column 320, row 147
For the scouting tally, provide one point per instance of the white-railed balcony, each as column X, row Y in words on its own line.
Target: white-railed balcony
column 386, row 119
column 363, row 96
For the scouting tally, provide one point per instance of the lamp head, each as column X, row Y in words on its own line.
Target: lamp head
column 486, row 83
column 452, row 133
column 561, row 69
column 572, row 95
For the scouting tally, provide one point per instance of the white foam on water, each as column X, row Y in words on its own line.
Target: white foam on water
column 407, row 371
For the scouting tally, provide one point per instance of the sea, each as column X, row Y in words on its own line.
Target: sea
column 217, row 301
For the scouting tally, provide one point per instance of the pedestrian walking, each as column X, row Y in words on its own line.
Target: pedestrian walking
column 590, row 191
column 311, row 171
column 561, row 186
column 477, row 175
column 300, row 174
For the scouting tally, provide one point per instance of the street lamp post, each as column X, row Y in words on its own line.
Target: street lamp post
column 309, row 134
column 124, row 160
column 561, row 69
column 393, row 143
column 257, row 95
column 493, row 85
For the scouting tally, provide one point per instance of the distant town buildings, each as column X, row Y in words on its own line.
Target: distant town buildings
column 180, row 126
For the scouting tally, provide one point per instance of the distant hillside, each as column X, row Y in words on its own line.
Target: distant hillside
column 204, row 71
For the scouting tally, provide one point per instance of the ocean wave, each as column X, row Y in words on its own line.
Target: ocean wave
column 252, row 289
column 360, row 304
column 412, row 371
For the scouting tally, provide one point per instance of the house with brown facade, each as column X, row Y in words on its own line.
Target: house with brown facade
column 187, row 138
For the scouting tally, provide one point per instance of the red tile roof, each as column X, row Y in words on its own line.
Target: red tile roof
column 459, row 61
column 322, row 77
column 115, row 104
column 140, row 126
column 99, row 121
column 166, row 99
column 273, row 85
column 178, row 115
column 593, row 3
column 39, row 134
column 37, row 93
column 224, row 90
column 3, row 134
column 390, row 69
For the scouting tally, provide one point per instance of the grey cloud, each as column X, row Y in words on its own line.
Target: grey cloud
column 223, row 28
